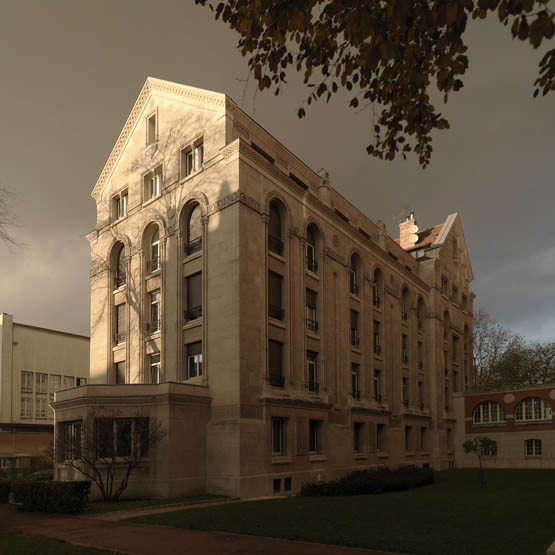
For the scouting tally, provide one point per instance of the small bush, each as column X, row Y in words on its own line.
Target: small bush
column 52, row 496
column 5, row 488
column 361, row 482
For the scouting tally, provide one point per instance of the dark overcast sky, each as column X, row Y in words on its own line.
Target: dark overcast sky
column 71, row 71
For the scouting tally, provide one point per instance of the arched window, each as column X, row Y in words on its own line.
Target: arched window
column 420, row 314
column 354, row 280
column 311, row 252
column 533, row 408
column 193, row 240
column 118, row 263
column 377, row 287
column 405, row 304
column 275, row 242
column 153, row 261
column 489, row 412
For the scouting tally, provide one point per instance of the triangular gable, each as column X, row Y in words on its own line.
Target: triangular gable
column 453, row 224
column 153, row 85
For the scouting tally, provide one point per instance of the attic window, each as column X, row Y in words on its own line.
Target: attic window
column 341, row 215
column 298, row 181
column 151, row 130
column 262, row 153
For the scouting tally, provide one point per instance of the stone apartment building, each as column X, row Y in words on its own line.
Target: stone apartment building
column 34, row 364
column 520, row 421
column 278, row 334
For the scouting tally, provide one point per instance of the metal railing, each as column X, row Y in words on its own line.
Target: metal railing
column 120, row 279
column 275, row 244
column 276, row 312
column 193, row 313
column 193, row 246
column 312, row 325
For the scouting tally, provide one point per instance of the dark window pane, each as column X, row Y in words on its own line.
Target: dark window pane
column 310, row 298
column 194, row 291
column 104, row 437
column 123, row 428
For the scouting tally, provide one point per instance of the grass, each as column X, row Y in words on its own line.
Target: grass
column 514, row 515
column 97, row 507
column 17, row 543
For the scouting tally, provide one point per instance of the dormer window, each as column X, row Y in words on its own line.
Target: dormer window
column 151, row 130
column 192, row 158
column 153, row 183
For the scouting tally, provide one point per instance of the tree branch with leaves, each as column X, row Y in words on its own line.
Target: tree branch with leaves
column 385, row 53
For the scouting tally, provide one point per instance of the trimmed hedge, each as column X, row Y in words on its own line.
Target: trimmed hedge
column 51, row 496
column 363, row 482
column 5, row 488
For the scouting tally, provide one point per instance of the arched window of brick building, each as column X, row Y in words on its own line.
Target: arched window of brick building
column 489, row 412
column 533, row 408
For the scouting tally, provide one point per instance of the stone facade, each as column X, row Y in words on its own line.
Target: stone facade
column 34, row 364
column 316, row 343
column 518, row 420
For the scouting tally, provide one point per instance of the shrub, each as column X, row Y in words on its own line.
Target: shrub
column 362, row 482
column 51, row 496
column 5, row 488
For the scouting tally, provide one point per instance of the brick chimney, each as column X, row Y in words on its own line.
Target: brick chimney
column 407, row 232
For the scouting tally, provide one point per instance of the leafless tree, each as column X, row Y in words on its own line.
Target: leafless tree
column 7, row 217
column 108, row 448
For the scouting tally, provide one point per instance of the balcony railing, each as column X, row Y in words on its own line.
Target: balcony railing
column 355, row 339
column 194, row 245
column 275, row 244
column 119, row 338
column 153, row 264
column 311, row 264
column 276, row 380
column 312, row 325
column 120, row 279
column 313, row 386
column 275, row 312
column 153, row 326
column 193, row 313
column 355, row 394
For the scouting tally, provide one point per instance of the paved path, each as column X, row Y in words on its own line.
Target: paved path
column 142, row 539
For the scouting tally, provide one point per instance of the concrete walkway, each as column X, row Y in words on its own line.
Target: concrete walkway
column 142, row 539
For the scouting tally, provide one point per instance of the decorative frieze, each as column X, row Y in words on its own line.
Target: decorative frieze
column 236, row 196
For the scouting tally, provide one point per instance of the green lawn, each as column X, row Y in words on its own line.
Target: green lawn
column 515, row 515
column 17, row 543
column 97, row 507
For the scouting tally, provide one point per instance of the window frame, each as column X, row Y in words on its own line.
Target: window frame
column 527, row 411
column 189, row 164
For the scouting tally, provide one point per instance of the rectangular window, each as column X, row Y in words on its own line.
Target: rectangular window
column 405, row 392
column 40, row 408
column 377, row 342
column 26, row 382
column 122, row 437
column 408, row 438
column 119, row 336
column 26, row 407
column 355, row 391
column 191, row 159
column 455, row 381
column 154, row 368
column 449, row 439
column 119, row 371
column 311, row 263
column 153, row 183
column 277, row 436
column 423, row 437
column 419, row 354
column 275, row 363
column 358, row 431
column 377, row 386
column 194, row 359
column 194, row 297
column 69, row 381
column 41, row 382
column 72, row 432
column 455, row 347
column 404, row 349
column 119, row 206
column 311, row 319
column 315, row 436
column 533, row 447
column 380, row 437
column 420, row 393
column 355, row 338
column 491, row 450
column 312, row 371
column 276, row 484
column 151, row 130
column 54, row 385
column 275, row 309
column 287, row 484
column 154, row 324
column 104, row 435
